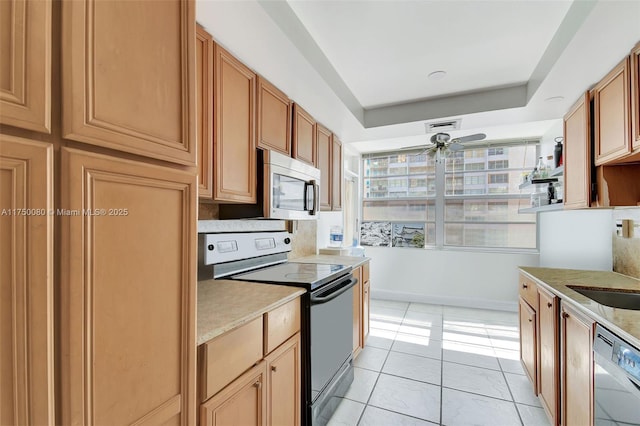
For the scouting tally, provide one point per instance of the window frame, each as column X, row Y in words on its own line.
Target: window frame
column 440, row 199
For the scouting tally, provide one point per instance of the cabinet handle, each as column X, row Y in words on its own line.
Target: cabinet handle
column 530, row 320
column 524, row 285
column 565, row 315
column 273, row 368
column 549, row 304
column 257, row 384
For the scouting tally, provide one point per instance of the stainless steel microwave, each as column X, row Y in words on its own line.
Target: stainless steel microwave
column 287, row 189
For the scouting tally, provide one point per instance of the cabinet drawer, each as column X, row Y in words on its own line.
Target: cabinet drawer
column 229, row 355
column 529, row 291
column 280, row 324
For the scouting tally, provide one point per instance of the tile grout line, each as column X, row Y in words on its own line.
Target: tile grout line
column 380, row 372
column 442, row 361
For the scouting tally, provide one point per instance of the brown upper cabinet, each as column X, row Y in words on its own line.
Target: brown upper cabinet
column 304, row 136
column 274, row 118
column 577, row 155
column 204, row 121
column 25, row 64
column 128, row 77
column 234, row 143
column 635, row 97
column 336, row 174
column 324, row 162
column 611, row 101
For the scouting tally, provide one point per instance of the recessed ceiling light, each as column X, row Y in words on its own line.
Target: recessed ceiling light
column 554, row 99
column 437, row 75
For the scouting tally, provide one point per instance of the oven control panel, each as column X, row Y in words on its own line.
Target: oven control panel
column 228, row 247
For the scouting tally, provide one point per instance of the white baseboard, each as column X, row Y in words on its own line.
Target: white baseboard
column 497, row 305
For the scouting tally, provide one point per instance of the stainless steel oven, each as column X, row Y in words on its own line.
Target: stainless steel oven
column 331, row 339
column 327, row 308
column 617, row 380
column 287, row 189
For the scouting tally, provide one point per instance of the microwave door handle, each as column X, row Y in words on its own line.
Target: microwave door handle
column 311, row 205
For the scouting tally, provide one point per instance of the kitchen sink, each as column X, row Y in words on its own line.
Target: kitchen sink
column 616, row 298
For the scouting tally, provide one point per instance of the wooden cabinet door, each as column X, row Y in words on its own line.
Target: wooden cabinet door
column 283, row 384
column 366, row 303
column 357, row 312
column 26, row 282
column 127, row 345
column 25, row 64
column 635, row 97
column 204, row 122
column 274, row 118
column 325, row 147
column 529, row 343
column 128, row 76
column 549, row 373
column 234, row 143
column 577, row 155
column 242, row 403
column 612, row 128
column 577, row 368
column 336, row 174
column 304, row 136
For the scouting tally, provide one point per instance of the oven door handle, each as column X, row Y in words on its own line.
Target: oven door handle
column 337, row 291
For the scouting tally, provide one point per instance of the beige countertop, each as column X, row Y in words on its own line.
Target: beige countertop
column 224, row 304
column 623, row 322
column 353, row 261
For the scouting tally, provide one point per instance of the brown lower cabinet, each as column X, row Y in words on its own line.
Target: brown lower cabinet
column 548, row 365
column 243, row 383
column 529, row 342
column 243, row 402
column 361, row 302
column 577, row 368
column 556, row 354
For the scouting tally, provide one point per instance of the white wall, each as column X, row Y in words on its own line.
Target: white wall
column 325, row 221
column 576, row 239
column 450, row 277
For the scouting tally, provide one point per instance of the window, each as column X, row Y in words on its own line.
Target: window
column 478, row 194
column 499, row 178
column 403, row 190
column 498, row 164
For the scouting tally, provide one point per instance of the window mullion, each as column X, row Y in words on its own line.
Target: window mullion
column 440, row 186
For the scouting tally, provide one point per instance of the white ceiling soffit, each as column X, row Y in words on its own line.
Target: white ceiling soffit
column 376, row 55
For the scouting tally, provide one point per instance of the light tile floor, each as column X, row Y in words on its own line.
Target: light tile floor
column 430, row 364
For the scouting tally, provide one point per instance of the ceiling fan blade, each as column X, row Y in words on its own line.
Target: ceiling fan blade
column 470, row 138
column 455, row 146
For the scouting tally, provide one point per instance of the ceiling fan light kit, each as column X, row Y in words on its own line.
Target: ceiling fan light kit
column 442, row 143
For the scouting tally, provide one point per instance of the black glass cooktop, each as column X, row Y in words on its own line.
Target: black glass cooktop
column 308, row 275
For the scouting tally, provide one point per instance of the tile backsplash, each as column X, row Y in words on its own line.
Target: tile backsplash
column 304, row 238
column 208, row 211
column 626, row 251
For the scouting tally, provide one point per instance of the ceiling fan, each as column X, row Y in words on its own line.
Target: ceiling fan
column 442, row 142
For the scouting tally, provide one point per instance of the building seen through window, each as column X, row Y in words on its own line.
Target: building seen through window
column 479, row 194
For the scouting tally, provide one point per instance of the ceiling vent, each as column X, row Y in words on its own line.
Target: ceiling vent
column 442, row 126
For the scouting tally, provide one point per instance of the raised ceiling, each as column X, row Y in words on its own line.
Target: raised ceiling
column 384, row 50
